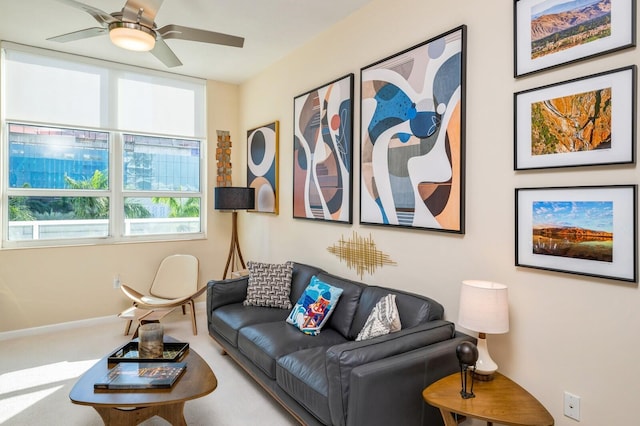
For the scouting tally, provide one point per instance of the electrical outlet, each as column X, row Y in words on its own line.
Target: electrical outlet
column 572, row 406
column 116, row 281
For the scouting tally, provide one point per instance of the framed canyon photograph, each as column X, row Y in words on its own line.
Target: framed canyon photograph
column 550, row 33
column 581, row 122
column 262, row 166
column 412, row 136
column 323, row 152
column 585, row 230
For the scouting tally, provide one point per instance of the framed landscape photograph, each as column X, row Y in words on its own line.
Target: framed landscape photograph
column 323, row 152
column 412, row 134
column 550, row 33
column 585, row 230
column 580, row 122
column 262, row 166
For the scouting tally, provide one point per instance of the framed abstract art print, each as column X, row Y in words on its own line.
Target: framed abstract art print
column 262, row 166
column 412, row 135
column 322, row 152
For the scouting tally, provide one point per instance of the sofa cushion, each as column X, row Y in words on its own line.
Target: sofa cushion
column 300, row 279
column 228, row 319
column 303, row 375
column 414, row 309
column 384, row 319
column 314, row 307
column 269, row 284
column 264, row 343
column 342, row 319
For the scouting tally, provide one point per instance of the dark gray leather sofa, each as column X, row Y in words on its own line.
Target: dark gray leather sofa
column 331, row 379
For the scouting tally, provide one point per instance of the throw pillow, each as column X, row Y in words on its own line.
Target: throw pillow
column 269, row 285
column 314, row 307
column 383, row 319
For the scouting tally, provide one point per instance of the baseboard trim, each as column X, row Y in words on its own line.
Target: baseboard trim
column 24, row 332
column 14, row 334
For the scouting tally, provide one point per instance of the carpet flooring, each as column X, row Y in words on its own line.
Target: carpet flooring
column 38, row 370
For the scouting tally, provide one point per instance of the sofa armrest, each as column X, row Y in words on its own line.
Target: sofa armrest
column 343, row 358
column 403, row 378
column 225, row 292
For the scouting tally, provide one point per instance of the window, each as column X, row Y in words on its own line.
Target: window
column 161, row 181
column 98, row 152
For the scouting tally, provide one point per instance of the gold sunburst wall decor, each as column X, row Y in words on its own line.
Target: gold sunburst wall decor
column 361, row 254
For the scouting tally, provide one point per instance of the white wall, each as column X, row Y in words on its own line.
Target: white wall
column 567, row 332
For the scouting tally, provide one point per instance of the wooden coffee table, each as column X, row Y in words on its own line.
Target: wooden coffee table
column 128, row 407
column 500, row 400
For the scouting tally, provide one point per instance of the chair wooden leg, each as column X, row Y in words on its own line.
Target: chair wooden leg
column 193, row 317
column 184, row 312
column 127, row 327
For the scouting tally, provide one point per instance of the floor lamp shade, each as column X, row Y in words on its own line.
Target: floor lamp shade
column 234, row 198
column 484, row 307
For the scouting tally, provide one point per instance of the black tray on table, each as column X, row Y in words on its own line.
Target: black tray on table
column 173, row 351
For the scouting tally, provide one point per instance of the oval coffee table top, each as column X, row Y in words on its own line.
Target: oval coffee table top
column 197, row 381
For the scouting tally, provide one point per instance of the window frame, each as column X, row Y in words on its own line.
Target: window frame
column 115, row 193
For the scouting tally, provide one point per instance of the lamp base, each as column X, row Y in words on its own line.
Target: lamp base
column 485, row 366
column 483, row 377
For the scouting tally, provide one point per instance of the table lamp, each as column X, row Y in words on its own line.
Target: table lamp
column 233, row 198
column 484, row 308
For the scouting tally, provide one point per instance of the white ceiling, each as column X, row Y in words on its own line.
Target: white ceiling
column 271, row 28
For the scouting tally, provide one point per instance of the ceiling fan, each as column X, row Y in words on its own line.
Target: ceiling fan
column 134, row 28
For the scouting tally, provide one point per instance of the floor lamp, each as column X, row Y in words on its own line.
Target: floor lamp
column 234, row 198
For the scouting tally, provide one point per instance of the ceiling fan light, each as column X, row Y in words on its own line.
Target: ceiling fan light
column 132, row 36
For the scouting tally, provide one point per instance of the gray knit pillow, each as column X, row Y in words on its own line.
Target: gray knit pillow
column 269, row 285
column 383, row 319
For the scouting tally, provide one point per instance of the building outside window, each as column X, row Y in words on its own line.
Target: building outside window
column 98, row 173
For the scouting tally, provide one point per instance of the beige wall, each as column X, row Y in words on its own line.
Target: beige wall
column 567, row 332
column 53, row 285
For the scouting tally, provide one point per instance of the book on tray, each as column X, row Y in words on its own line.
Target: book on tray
column 142, row 375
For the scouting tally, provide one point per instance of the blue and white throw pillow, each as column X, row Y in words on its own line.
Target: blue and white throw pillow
column 314, row 307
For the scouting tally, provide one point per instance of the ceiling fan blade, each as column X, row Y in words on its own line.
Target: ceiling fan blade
column 78, row 35
column 101, row 16
column 141, row 11
column 194, row 34
column 164, row 53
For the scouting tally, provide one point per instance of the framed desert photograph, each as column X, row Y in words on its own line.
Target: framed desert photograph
column 412, row 137
column 323, row 152
column 262, row 166
column 581, row 122
column 550, row 33
column 585, row 230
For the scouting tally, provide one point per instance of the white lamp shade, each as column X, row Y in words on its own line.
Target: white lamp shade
column 484, row 307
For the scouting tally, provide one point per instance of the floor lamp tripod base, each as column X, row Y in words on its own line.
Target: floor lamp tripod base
column 235, row 254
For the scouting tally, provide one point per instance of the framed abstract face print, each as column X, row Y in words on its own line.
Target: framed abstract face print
column 412, row 137
column 322, row 152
